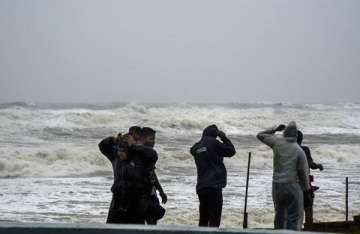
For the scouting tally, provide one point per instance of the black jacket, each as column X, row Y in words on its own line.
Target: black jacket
column 133, row 171
column 209, row 154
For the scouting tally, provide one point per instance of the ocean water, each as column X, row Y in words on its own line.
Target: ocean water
column 52, row 171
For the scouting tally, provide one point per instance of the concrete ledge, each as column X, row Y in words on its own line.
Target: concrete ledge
column 342, row 227
column 51, row 228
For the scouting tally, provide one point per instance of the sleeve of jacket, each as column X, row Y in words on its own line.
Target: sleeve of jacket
column 267, row 137
column 303, row 171
column 309, row 159
column 157, row 183
column 226, row 147
column 149, row 154
column 106, row 147
column 194, row 148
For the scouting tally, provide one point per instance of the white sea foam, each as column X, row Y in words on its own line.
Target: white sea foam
column 53, row 148
column 177, row 119
column 40, row 141
column 69, row 160
column 51, row 161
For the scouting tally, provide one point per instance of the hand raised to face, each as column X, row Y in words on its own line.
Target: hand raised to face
column 129, row 139
column 281, row 127
column 221, row 134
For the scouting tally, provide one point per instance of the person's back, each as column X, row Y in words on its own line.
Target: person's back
column 210, row 167
column 290, row 176
column 209, row 155
column 211, row 173
column 286, row 159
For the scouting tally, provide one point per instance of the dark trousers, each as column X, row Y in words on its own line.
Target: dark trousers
column 308, row 206
column 130, row 215
column 155, row 210
column 210, row 208
column 150, row 219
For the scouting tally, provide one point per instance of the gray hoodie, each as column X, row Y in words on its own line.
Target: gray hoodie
column 290, row 164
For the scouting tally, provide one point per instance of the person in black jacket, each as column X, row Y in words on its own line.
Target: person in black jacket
column 309, row 198
column 155, row 210
column 130, row 163
column 211, row 173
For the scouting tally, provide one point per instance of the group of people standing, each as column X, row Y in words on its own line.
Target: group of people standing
column 133, row 159
column 291, row 188
column 135, row 182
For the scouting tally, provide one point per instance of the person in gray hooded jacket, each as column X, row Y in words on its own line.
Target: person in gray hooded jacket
column 290, row 176
column 209, row 154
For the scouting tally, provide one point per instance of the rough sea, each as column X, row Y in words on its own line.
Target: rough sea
column 52, row 171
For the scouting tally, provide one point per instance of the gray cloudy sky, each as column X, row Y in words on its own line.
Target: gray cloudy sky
column 180, row 51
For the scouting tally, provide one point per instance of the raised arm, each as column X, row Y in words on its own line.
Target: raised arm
column 226, row 147
column 310, row 160
column 106, row 147
column 267, row 137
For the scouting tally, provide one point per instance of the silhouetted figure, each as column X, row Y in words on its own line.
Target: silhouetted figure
column 155, row 210
column 130, row 189
column 309, row 198
column 209, row 154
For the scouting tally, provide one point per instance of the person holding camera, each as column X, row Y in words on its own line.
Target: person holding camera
column 290, row 176
column 130, row 163
column 116, row 151
column 209, row 154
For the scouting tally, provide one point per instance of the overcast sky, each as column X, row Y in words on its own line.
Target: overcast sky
column 180, row 51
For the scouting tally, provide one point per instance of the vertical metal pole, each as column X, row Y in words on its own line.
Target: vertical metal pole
column 245, row 222
column 347, row 199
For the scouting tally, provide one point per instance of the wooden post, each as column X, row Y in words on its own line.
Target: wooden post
column 245, row 222
column 347, row 199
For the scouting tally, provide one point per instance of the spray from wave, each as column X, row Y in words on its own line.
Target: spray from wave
column 61, row 139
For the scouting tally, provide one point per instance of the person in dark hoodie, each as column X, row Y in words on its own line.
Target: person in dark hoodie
column 209, row 154
column 155, row 211
column 309, row 198
column 130, row 162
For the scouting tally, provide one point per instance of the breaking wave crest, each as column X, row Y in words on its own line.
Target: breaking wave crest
column 61, row 139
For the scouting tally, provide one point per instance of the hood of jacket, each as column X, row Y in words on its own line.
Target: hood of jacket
column 211, row 131
column 291, row 132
